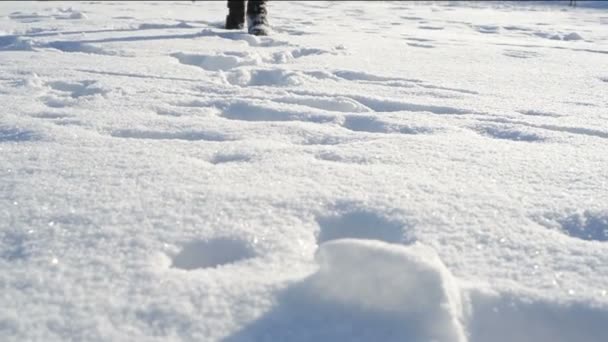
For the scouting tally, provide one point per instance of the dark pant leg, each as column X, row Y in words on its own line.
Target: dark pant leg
column 236, row 6
column 236, row 14
column 256, row 7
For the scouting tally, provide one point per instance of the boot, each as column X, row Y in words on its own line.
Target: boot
column 256, row 18
column 236, row 15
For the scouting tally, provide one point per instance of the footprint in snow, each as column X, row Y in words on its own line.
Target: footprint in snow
column 429, row 27
column 351, row 75
column 15, row 134
column 77, row 89
column 58, row 102
column 418, row 45
column 223, row 158
column 517, row 28
column 508, row 133
column 420, row 40
column 51, row 115
column 521, row 54
column 66, row 94
column 58, row 118
column 540, row 113
column 169, row 112
column 588, row 225
column 333, row 104
column 15, row 43
column 488, row 29
column 320, row 140
column 370, row 124
column 203, row 254
column 349, row 158
column 27, row 18
column 187, row 135
column 247, row 111
column 389, row 105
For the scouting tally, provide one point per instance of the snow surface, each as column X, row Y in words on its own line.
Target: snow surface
column 372, row 171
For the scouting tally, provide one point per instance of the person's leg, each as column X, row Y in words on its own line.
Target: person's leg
column 236, row 15
column 257, row 17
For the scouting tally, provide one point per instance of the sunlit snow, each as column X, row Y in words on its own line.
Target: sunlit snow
column 371, row 171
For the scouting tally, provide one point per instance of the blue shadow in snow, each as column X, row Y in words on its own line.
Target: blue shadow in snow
column 508, row 318
column 12, row 134
column 302, row 315
column 586, row 226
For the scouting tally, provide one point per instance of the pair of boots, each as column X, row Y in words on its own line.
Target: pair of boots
column 257, row 22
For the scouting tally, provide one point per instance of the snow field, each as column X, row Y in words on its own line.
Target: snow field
column 373, row 171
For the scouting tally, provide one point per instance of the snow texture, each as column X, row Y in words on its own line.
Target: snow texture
column 371, row 171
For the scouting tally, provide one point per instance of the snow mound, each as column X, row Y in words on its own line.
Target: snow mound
column 77, row 15
column 370, row 291
column 215, row 62
column 409, row 283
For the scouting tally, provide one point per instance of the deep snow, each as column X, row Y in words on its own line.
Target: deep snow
column 372, row 171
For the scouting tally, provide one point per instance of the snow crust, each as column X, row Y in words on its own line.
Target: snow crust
column 372, row 171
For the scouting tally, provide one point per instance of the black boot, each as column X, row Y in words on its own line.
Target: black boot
column 256, row 18
column 236, row 15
